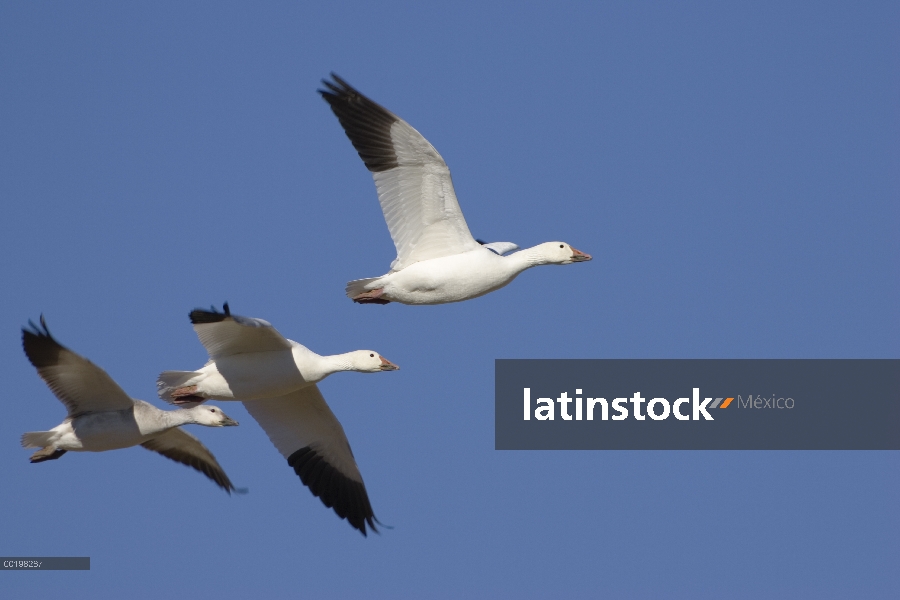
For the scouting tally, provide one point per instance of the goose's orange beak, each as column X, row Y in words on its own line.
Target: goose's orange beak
column 387, row 365
column 579, row 256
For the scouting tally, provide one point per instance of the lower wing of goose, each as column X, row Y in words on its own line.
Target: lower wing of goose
column 306, row 432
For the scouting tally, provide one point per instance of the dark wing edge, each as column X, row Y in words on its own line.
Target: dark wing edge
column 348, row 498
column 40, row 346
column 70, row 375
column 170, row 445
column 366, row 123
column 200, row 315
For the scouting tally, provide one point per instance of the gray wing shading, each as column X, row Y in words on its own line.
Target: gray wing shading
column 224, row 334
column 306, row 432
column 413, row 181
column 500, row 248
column 182, row 447
column 78, row 383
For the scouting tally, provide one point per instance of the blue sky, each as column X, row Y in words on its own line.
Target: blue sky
column 732, row 168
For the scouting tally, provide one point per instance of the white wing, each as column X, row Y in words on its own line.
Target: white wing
column 224, row 334
column 413, row 181
column 182, row 447
column 309, row 436
column 78, row 383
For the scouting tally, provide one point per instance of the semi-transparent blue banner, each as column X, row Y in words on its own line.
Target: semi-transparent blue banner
column 697, row 404
column 45, row 563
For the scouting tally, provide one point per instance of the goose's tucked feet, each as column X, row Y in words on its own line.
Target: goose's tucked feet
column 371, row 297
column 48, row 453
column 185, row 395
column 189, row 401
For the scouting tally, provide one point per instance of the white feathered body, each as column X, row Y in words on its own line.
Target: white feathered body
column 447, row 279
column 101, row 431
column 250, row 375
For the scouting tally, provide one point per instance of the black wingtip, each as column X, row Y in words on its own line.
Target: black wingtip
column 340, row 80
column 39, row 345
column 348, row 498
column 337, row 87
column 212, row 470
column 37, row 330
column 366, row 123
column 200, row 315
column 218, row 477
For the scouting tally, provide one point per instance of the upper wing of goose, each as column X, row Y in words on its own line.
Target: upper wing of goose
column 224, row 334
column 413, row 181
column 79, row 384
column 309, row 436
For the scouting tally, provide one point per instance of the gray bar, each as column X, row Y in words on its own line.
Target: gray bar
column 45, row 563
column 767, row 404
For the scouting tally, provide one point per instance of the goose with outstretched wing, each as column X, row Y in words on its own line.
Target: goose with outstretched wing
column 438, row 261
column 101, row 416
column 275, row 378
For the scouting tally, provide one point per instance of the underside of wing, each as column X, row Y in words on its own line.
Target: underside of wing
column 306, row 432
column 182, row 447
column 79, row 384
column 224, row 334
column 414, row 185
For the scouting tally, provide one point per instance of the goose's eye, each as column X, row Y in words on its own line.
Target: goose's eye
column 561, row 246
column 372, row 356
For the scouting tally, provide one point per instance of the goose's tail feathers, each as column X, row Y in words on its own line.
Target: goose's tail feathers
column 359, row 286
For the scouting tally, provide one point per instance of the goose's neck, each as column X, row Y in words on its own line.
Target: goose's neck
column 178, row 417
column 154, row 420
column 326, row 365
column 525, row 259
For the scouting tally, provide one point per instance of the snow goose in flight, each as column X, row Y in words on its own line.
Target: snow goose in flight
column 438, row 261
column 250, row 360
column 103, row 417
column 276, row 380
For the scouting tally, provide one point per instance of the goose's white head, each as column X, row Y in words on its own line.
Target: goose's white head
column 561, row 253
column 369, row 361
column 211, row 416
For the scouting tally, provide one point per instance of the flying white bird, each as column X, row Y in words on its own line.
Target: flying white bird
column 438, row 261
column 103, row 417
column 276, row 379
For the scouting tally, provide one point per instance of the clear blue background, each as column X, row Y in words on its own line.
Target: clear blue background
column 732, row 167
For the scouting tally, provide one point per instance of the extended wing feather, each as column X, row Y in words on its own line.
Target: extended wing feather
column 224, row 334
column 306, row 432
column 78, row 383
column 180, row 446
column 413, row 181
